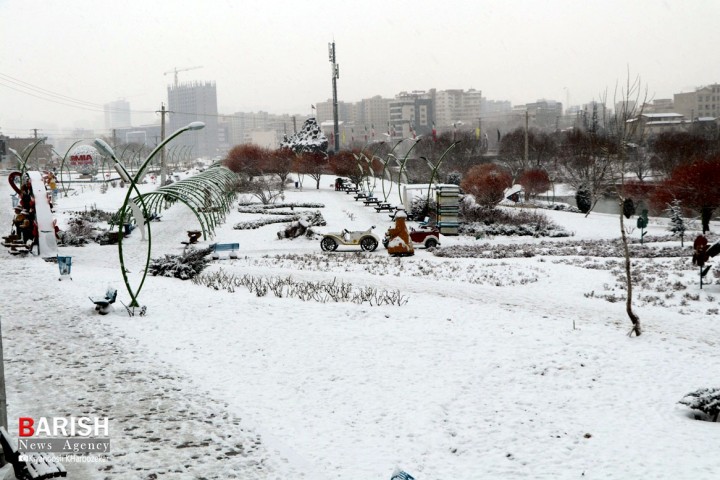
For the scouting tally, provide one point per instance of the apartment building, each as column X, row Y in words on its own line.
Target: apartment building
column 192, row 102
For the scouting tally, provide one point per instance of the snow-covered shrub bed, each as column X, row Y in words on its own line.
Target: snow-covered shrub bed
column 280, row 213
column 287, row 287
column 563, row 207
column 184, row 266
column 661, row 282
column 314, row 218
column 487, row 273
column 93, row 215
column 259, row 208
column 580, row 248
column 478, row 229
column 497, row 221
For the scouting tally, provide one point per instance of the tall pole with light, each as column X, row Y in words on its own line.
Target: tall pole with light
column 335, row 70
column 133, row 181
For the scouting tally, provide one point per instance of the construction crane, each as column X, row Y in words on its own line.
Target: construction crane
column 176, row 70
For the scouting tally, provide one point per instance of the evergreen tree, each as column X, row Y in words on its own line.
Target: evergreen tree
column 677, row 223
column 583, row 199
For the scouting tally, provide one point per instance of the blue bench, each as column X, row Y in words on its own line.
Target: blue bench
column 225, row 247
column 102, row 305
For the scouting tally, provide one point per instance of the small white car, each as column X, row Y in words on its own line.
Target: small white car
column 367, row 240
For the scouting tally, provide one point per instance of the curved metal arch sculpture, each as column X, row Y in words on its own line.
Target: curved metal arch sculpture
column 217, row 181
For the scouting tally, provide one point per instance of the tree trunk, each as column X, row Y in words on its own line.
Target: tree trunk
column 637, row 329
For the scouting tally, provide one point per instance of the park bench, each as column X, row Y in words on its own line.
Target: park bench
column 395, row 211
column 225, row 247
column 36, row 466
column 102, row 305
column 371, row 201
column 384, row 207
column 350, row 190
column 360, row 195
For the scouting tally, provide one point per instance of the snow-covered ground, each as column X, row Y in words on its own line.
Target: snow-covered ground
column 494, row 368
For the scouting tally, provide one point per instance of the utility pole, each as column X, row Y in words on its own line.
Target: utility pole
column 527, row 143
column 294, row 125
column 114, row 132
column 35, row 130
column 3, row 398
column 335, row 69
column 162, row 113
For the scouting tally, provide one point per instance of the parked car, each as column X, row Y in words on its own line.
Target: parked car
column 367, row 240
column 423, row 236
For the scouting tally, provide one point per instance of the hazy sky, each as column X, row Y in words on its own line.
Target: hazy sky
column 272, row 55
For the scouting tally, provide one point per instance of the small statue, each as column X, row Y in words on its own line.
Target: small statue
column 399, row 242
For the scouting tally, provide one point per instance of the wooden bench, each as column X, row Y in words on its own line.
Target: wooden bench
column 359, row 196
column 37, row 465
column 102, row 305
column 371, row 201
column 384, row 207
column 225, row 247
column 397, row 209
column 351, row 190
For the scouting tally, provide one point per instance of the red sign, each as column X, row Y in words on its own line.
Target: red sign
column 82, row 159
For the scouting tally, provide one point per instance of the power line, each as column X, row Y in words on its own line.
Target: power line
column 49, row 96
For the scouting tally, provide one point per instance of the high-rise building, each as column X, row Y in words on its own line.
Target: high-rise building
column 192, row 102
column 373, row 113
column 457, row 107
column 117, row 114
column 411, row 114
column 702, row 103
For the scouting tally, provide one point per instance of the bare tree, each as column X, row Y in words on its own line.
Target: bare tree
column 585, row 163
column 261, row 187
column 624, row 132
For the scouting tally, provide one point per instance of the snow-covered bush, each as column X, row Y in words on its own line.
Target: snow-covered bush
column 707, row 400
column 315, row 218
column 454, row 177
column 482, row 221
column 93, row 215
column 420, row 207
column 303, row 226
column 583, row 199
column 184, row 266
column 563, row 207
column 78, row 233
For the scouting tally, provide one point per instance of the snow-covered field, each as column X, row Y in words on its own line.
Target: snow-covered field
column 494, row 368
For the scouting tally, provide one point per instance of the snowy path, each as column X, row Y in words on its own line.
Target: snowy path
column 63, row 359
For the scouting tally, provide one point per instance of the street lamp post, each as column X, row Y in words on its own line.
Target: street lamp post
column 133, row 181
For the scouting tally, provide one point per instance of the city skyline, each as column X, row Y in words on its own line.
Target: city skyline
column 62, row 63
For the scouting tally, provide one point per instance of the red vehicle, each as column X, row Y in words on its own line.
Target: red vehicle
column 425, row 236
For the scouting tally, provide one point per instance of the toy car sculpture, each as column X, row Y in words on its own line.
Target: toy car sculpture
column 425, row 236
column 365, row 238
